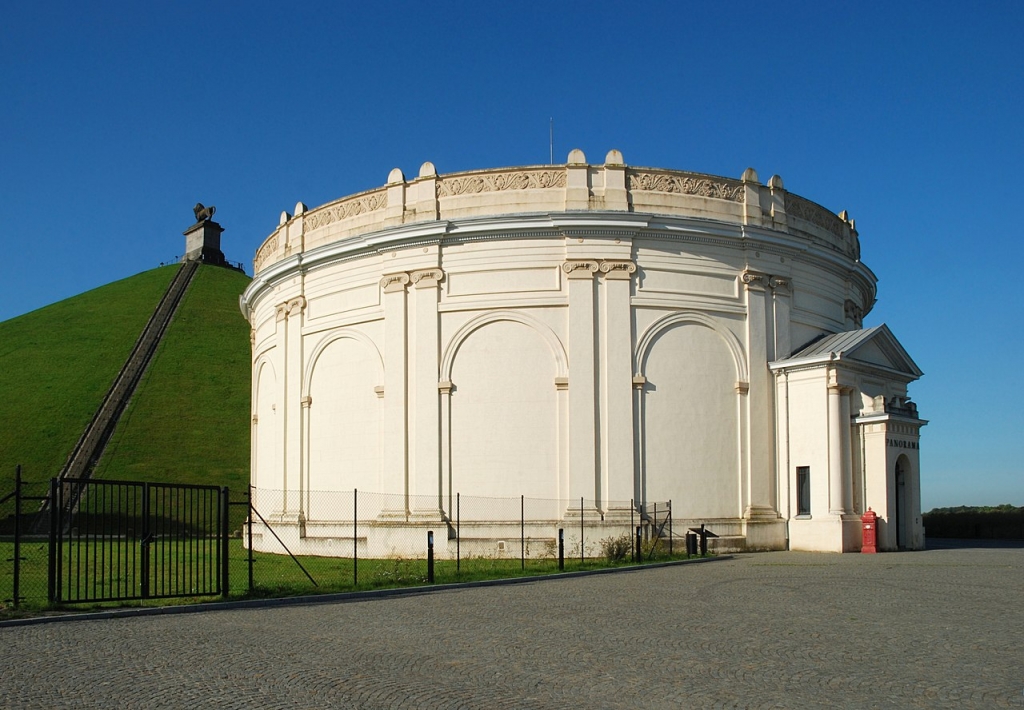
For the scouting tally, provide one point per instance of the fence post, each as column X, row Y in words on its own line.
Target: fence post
column 355, row 537
column 561, row 549
column 639, row 545
column 225, row 531
column 458, row 533
column 251, row 585
column 522, row 529
column 582, row 555
column 632, row 525
column 51, row 581
column 430, row 556
column 669, row 527
column 17, row 536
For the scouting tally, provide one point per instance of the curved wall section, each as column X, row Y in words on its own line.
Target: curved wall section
column 551, row 342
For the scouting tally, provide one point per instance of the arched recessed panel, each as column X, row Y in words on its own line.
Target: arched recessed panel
column 267, row 472
column 344, row 425
column 504, row 433
column 690, row 423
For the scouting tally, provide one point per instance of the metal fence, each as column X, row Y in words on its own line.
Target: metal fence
column 111, row 541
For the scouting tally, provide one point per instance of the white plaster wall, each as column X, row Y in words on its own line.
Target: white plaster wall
column 344, row 420
column 504, row 428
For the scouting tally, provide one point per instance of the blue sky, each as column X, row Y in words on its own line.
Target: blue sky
column 116, row 118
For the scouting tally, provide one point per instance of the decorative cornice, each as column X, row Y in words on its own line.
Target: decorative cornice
column 394, row 282
column 496, row 182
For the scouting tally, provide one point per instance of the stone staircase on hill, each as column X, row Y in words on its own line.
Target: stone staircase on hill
column 97, row 433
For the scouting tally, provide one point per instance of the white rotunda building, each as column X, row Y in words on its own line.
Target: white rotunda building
column 598, row 339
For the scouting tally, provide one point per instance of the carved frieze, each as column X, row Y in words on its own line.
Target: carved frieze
column 361, row 204
column 816, row 215
column 686, row 185
column 495, row 182
column 264, row 252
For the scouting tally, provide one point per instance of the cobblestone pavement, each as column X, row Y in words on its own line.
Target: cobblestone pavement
column 942, row 628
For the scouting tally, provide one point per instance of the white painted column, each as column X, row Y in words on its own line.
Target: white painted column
column 395, row 465
column 847, row 448
column 425, row 464
column 292, row 416
column 582, row 429
column 616, row 386
column 758, row 443
column 835, row 450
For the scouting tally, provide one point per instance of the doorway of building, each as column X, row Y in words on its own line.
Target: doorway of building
column 902, row 467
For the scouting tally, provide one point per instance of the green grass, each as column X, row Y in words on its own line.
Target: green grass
column 56, row 364
column 189, row 419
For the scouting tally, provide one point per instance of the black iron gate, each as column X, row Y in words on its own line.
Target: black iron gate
column 116, row 540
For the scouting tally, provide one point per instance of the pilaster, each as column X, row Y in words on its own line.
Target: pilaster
column 758, row 444
column 616, row 384
column 582, row 411
column 396, row 458
column 425, row 473
column 290, row 316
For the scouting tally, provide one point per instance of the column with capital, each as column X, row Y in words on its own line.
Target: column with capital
column 836, row 484
column 616, row 384
column 290, row 315
column 424, row 447
column 758, row 445
column 394, row 469
column 582, row 425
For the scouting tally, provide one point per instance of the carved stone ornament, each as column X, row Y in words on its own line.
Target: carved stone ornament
column 290, row 307
column 753, row 279
column 580, row 268
column 306, row 402
column 778, row 282
column 853, row 311
column 360, row 204
column 685, row 185
column 496, row 182
column 203, row 214
column 815, row 214
column 394, row 282
column 615, row 269
column 424, row 278
column 268, row 248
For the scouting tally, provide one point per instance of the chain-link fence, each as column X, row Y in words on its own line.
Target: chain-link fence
column 286, row 542
column 345, row 540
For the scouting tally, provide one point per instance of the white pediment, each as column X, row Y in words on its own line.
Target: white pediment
column 873, row 347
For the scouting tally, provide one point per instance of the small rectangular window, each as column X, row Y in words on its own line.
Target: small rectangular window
column 803, row 490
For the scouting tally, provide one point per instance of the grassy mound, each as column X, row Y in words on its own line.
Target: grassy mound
column 56, row 364
column 189, row 419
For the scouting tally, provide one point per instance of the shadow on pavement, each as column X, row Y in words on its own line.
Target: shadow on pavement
column 941, row 543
